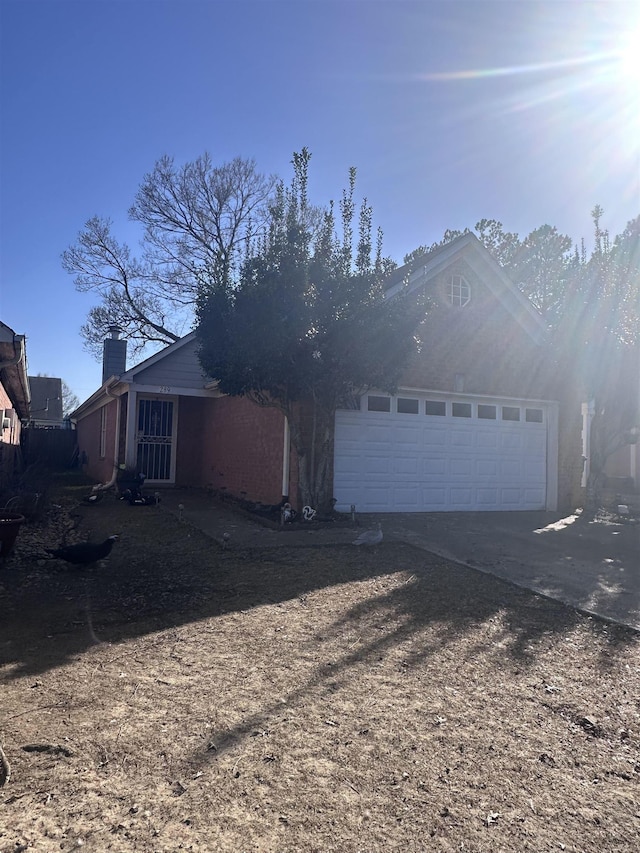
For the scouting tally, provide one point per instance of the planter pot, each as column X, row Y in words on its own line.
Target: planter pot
column 9, row 527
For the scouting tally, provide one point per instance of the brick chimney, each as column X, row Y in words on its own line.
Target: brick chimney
column 114, row 355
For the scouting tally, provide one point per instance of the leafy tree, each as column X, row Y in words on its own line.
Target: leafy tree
column 599, row 332
column 308, row 326
column 198, row 221
column 541, row 267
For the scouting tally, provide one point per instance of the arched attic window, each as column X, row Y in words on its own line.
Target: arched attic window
column 458, row 291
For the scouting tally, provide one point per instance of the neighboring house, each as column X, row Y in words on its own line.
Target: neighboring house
column 483, row 419
column 623, row 468
column 14, row 397
column 622, row 465
column 46, row 402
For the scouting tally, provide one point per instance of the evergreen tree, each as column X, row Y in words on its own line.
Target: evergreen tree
column 308, row 328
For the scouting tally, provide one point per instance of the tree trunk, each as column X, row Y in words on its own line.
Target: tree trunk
column 312, row 430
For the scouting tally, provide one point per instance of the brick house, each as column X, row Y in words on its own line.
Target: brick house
column 14, row 397
column 482, row 420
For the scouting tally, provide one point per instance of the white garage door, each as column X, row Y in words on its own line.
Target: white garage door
column 431, row 453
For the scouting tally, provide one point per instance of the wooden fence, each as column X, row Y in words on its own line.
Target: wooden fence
column 55, row 448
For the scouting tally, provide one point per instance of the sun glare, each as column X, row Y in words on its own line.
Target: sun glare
column 628, row 61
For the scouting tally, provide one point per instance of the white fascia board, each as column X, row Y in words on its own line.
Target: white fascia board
column 99, row 398
column 434, row 263
column 174, row 391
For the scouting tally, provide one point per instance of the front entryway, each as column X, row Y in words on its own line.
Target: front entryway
column 155, row 439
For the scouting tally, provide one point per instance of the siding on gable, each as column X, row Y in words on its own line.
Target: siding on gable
column 480, row 342
column 179, row 369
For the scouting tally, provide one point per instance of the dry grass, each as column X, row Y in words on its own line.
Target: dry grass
column 305, row 700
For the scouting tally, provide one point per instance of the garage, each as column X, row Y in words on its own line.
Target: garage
column 435, row 452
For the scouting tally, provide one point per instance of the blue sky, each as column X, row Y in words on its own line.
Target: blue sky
column 451, row 112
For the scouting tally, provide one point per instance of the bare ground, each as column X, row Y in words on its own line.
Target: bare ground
column 302, row 699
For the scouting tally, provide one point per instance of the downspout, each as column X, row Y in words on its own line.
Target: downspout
column 286, row 458
column 101, row 487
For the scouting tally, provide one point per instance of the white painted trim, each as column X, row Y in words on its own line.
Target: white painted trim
column 173, row 391
column 588, row 411
column 286, row 456
column 553, row 456
column 130, row 449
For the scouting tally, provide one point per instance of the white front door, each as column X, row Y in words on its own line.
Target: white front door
column 430, row 452
column 156, row 438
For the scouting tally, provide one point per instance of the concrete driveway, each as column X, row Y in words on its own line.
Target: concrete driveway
column 594, row 566
column 591, row 565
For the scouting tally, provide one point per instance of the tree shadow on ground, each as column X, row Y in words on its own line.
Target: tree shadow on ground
column 163, row 574
column 422, row 614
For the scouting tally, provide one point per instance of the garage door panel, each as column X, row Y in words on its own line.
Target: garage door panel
column 434, row 468
column 487, row 439
column 389, row 461
column 351, row 434
column 376, row 497
column 462, row 438
column 511, row 469
column 434, row 437
column 461, row 467
column 461, row 498
column 535, row 442
column 407, row 436
column 436, row 498
column 407, row 499
column 511, row 441
column 487, row 498
column 511, row 497
column 534, row 471
column 374, row 465
column 406, row 466
column 486, row 468
column 534, row 496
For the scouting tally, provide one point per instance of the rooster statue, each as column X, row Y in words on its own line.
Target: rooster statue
column 84, row 553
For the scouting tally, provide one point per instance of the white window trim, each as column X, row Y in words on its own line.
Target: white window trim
column 458, row 291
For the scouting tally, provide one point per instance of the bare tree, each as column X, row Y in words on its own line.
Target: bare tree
column 70, row 401
column 198, row 219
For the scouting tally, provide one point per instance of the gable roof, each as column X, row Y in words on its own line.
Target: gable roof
column 175, row 369
column 467, row 247
column 131, row 374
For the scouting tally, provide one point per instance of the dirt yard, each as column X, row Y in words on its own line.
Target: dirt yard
column 189, row 698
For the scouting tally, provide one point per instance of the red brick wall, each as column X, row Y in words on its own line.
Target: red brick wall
column 11, row 435
column 88, row 434
column 232, row 444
